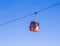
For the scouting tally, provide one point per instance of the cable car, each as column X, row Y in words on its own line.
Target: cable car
column 34, row 26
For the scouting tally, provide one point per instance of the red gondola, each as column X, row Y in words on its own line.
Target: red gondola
column 34, row 26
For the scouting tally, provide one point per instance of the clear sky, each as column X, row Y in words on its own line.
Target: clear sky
column 18, row 33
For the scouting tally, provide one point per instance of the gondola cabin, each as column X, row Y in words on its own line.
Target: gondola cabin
column 34, row 26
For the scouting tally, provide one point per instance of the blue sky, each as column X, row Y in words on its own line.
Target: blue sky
column 17, row 33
